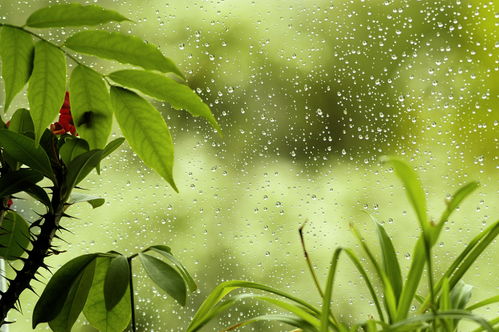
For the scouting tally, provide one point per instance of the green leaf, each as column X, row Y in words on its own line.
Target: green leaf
column 65, row 15
column 21, row 122
column 117, row 281
column 17, row 60
column 115, row 320
column 14, row 236
column 16, row 181
column 90, row 106
column 39, row 194
column 94, row 201
column 72, row 148
column 56, row 292
column 146, row 131
column 166, row 252
column 110, row 147
column 390, row 262
column 413, row 188
column 166, row 277
column 47, row 86
column 75, row 301
column 81, row 166
column 22, row 149
column 179, row 96
column 122, row 48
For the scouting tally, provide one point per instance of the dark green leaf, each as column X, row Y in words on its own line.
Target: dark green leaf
column 92, row 200
column 166, row 277
column 110, row 147
column 122, row 48
column 39, row 194
column 90, row 106
column 54, row 295
column 75, row 300
column 22, row 149
column 95, row 310
column 117, row 281
column 145, row 130
column 14, row 236
column 17, row 60
column 74, row 14
column 21, row 122
column 166, row 252
column 163, row 88
column 72, row 148
column 16, row 181
column 81, row 166
column 47, row 86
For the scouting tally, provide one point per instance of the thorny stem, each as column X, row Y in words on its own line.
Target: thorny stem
column 132, row 301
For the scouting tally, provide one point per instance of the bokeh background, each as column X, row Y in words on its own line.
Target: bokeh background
column 309, row 95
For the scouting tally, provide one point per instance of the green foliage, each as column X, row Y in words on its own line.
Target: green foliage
column 21, row 122
column 116, row 282
column 442, row 309
column 14, row 236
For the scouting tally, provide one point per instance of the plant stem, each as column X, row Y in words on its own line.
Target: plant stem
column 132, row 302
column 309, row 262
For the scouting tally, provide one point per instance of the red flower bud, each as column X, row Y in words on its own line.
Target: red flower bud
column 65, row 124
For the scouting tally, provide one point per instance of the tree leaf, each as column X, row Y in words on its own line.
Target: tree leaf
column 115, row 320
column 14, row 236
column 94, row 201
column 117, row 281
column 16, row 51
column 54, row 295
column 47, row 86
column 72, row 148
column 16, row 181
column 146, row 131
column 90, row 106
column 75, row 300
column 122, row 48
column 65, row 15
column 166, row 277
column 22, row 149
column 21, row 122
column 163, row 88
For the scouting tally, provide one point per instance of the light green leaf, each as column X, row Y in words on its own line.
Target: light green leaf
column 179, row 96
column 72, row 148
column 16, row 50
column 115, row 320
column 122, row 48
column 54, row 295
column 14, row 236
column 75, row 301
column 166, row 277
column 117, row 281
column 22, row 149
column 21, row 122
column 90, row 106
column 145, row 130
column 47, row 86
column 94, row 201
column 390, row 262
column 64, row 15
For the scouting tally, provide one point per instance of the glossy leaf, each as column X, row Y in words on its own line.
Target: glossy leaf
column 14, row 236
column 39, row 194
column 122, row 48
column 72, row 148
column 145, row 130
column 115, row 320
column 47, row 86
column 56, row 292
column 64, row 15
column 16, row 51
column 75, row 300
column 179, row 96
column 16, row 181
column 21, row 122
column 22, row 149
column 117, row 281
column 81, row 166
column 166, row 277
column 94, row 201
column 90, row 106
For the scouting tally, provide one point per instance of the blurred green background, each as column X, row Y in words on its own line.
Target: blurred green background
column 309, row 94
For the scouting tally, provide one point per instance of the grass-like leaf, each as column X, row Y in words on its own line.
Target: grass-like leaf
column 14, row 236
column 145, row 130
column 286, row 319
column 90, row 106
column 117, row 281
column 47, row 86
column 16, row 51
column 179, row 96
column 65, row 15
column 122, row 48
column 490, row 300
